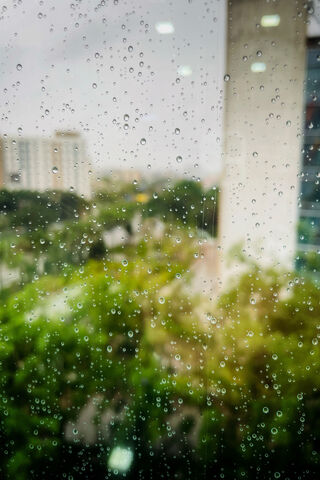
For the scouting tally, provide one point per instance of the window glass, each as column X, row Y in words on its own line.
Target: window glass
column 159, row 239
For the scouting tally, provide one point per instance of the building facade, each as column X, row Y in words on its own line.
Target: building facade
column 309, row 222
column 263, row 133
column 59, row 163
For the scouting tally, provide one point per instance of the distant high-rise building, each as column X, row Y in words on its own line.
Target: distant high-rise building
column 35, row 163
column 309, row 225
column 263, row 132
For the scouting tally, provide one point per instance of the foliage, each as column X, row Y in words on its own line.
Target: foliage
column 186, row 202
column 235, row 393
column 308, row 262
column 107, row 347
column 34, row 210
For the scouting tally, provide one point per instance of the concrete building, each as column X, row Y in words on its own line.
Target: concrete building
column 42, row 164
column 263, row 132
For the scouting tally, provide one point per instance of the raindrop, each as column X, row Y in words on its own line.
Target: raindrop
column 226, row 78
column 19, row 67
column 54, row 169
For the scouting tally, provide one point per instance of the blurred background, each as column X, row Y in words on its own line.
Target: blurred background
column 160, row 239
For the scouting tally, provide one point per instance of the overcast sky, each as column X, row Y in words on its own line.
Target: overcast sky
column 86, row 64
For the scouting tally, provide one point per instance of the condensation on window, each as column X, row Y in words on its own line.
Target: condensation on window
column 159, row 239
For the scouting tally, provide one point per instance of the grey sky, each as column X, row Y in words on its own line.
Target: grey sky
column 68, row 48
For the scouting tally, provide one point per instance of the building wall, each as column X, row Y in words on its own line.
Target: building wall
column 309, row 231
column 262, row 133
column 45, row 164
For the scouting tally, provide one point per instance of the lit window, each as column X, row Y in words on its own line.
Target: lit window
column 258, row 67
column 185, row 71
column 164, row 28
column 268, row 21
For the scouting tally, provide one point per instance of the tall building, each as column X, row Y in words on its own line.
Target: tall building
column 263, row 132
column 45, row 164
column 309, row 225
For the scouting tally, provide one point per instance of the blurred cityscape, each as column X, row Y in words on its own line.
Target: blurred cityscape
column 161, row 324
